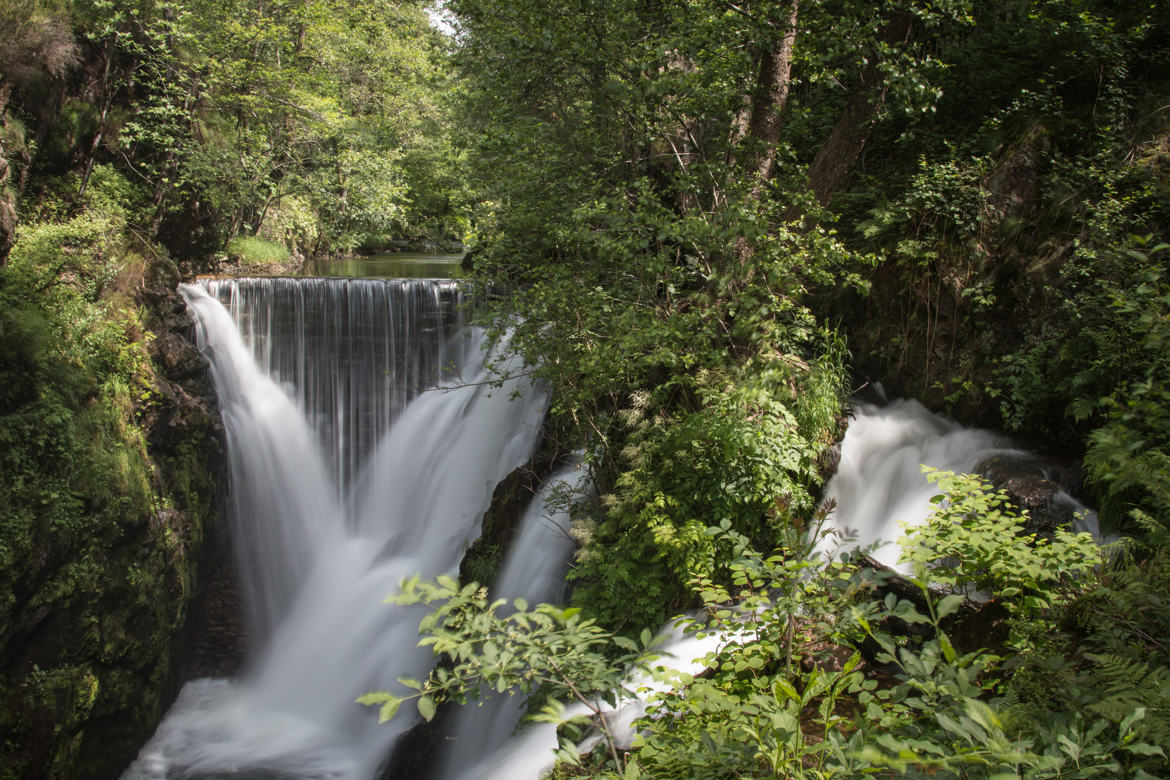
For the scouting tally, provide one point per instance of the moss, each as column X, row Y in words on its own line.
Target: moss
column 104, row 521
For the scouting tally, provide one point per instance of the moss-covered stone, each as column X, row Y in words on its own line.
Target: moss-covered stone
column 113, row 495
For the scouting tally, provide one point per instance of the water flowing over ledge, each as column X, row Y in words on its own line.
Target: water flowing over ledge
column 320, row 548
column 350, row 352
column 879, row 488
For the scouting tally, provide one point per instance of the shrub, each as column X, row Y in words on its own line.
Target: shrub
column 256, row 251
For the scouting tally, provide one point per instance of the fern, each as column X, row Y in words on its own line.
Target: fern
column 1127, row 684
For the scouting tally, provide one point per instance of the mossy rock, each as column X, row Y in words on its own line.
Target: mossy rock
column 109, row 526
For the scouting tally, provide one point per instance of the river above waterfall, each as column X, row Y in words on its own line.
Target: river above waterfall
column 394, row 265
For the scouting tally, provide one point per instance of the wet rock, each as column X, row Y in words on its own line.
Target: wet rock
column 483, row 558
column 220, row 635
column 1037, row 485
column 1022, row 477
column 179, row 358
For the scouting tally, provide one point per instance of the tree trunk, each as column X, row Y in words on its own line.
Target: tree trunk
column 7, row 209
column 97, row 138
column 771, row 96
column 767, row 119
column 847, row 140
column 7, row 198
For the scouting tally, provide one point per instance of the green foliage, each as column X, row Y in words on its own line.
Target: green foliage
column 493, row 647
column 74, row 458
column 1105, row 652
column 255, row 251
column 338, row 106
column 94, row 568
column 981, row 540
column 1128, row 457
column 1004, row 218
column 220, row 112
column 812, row 678
column 292, row 223
column 1106, row 368
column 738, row 461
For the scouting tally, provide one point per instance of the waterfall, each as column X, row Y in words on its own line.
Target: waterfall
column 366, row 436
column 350, row 352
column 333, row 507
column 534, row 570
column 879, row 488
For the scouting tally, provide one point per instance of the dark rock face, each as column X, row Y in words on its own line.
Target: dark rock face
column 215, row 638
column 101, row 628
column 7, row 218
column 185, row 443
column 219, row 634
column 483, row 559
column 1034, row 484
column 935, row 330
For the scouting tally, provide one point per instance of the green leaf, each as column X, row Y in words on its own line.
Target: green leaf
column 389, row 709
column 947, row 648
column 625, row 643
column 426, row 708
column 568, row 753
column 948, row 604
column 1144, row 749
column 374, row 697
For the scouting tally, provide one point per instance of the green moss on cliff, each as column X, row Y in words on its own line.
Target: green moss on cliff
column 106, row 490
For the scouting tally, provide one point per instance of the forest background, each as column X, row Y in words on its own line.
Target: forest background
column 717, row 219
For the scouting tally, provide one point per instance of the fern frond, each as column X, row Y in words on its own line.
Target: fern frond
column 1126, row 684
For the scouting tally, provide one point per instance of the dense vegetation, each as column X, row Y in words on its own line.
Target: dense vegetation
column 316, row 126
column 714, row 218
column 699, row 205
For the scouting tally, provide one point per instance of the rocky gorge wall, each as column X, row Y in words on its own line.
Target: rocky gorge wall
column 95, row 632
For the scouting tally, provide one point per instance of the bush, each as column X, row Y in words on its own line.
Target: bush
column 256, row 251
column 808, row 678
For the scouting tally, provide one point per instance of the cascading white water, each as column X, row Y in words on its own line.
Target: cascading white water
column 529, row 754
column 879, row 487
column 324, row 562
column 534, row 570
column 330, row 511
column 276, row 472
column 350, row 352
